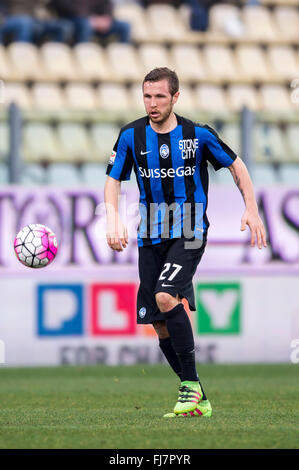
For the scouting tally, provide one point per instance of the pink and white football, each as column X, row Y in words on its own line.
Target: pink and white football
column 35, row 246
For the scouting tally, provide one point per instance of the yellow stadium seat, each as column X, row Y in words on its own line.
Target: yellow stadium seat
column 48, row 96
column 253, row 64
column 80, row 96
column 123, row 62
column 231, row 135
column 6, row 71
column 136, row 16
column 221, row 64
column 136, row 97
column 226, row 19
column 113, row 97
column 284, row 62
column 25, row 60
column 91, row 61
column 75, row 142
column 186, row 102
column 287, row 21
column 259, row 23
column 40, row 143
column 243, row 95
column 165, row 24
column 19, row 94
column 152, row 56
column 275, row 98
column 184, row 55
column 59, row 62
column 210, row 98
column 103, row 138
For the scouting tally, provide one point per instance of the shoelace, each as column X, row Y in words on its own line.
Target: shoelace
column 186, row 394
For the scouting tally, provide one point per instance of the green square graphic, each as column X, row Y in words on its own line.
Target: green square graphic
column 218, row 308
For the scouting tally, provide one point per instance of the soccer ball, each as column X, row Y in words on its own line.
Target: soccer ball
column 35, row 246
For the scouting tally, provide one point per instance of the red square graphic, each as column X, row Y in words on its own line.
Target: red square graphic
column 113, row 309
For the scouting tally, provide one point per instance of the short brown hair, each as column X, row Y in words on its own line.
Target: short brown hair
column 162, row 73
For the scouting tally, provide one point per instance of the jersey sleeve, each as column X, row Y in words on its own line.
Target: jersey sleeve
column 121, row 159
column 218, row 153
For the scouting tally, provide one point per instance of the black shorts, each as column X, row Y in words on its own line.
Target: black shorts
column 166, row 267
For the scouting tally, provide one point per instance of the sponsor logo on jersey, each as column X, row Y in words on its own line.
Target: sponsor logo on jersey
column 188, row 148
column 166, row 172
column 164, row 151
column 112, row 158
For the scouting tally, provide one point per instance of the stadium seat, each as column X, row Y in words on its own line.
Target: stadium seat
column 25, row 60
column 40, row 143
column 59, row 62
column 3, row 174
column 275, row 98
column 91, row 61
column 292, row 136
column 136, row 16
column 186, row 102
column 221, row 64
column 165, row 24
column 284, row 62
column 113, row 97
column 63, row 174
column 103, row 138
column 6, row 72
column 80, row 96
column 48, row 96
column 259, row 23
column 94, row 174
column 184, row 55
column 242, row 95
column 287, row 21
column 289, row 174
column 210, row 98
column 4, row 140
column 269, row 144
column 33, row 174
column 75, row 142
column 136, row 97
column 263, row 174
column 226, row 19
column 253, row 64
column 18, row 93
column 152, row 56
column 231, row 135
column 123, row 63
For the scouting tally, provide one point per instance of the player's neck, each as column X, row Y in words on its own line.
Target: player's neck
column 166, row 126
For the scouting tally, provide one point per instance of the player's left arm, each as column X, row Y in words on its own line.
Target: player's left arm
column 251, row 215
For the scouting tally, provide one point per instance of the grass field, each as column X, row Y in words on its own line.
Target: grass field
column 254, row 406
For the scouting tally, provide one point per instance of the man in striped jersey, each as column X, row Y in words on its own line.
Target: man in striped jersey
column 169, row 155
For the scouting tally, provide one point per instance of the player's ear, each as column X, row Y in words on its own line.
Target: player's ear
column 175, row 97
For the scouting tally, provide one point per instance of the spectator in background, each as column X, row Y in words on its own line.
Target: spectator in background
column 90, row 17
column 199, row 18
column 29, row 21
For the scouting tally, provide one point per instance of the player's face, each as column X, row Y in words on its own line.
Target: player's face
column 158, row 101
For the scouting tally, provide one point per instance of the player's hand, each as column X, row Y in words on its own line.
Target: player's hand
column 117, row 237
column 258, row 232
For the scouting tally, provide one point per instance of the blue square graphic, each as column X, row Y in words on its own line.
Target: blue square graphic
column 59, row 309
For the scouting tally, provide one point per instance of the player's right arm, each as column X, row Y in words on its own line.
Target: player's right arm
column 119, row 169
column 117, row 234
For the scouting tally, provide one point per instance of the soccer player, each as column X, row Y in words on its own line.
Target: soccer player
column 169, row 154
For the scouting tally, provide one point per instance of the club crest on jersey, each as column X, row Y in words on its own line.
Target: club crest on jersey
column 112, row 158
column 142, row 312
column 164, row 151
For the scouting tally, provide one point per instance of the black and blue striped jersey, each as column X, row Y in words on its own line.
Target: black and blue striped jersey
column 171, row 173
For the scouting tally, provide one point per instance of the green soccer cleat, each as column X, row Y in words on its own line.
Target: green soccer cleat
column 204, row 408
column 190, row 394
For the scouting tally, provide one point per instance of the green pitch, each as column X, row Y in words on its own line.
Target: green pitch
column 254, row 406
